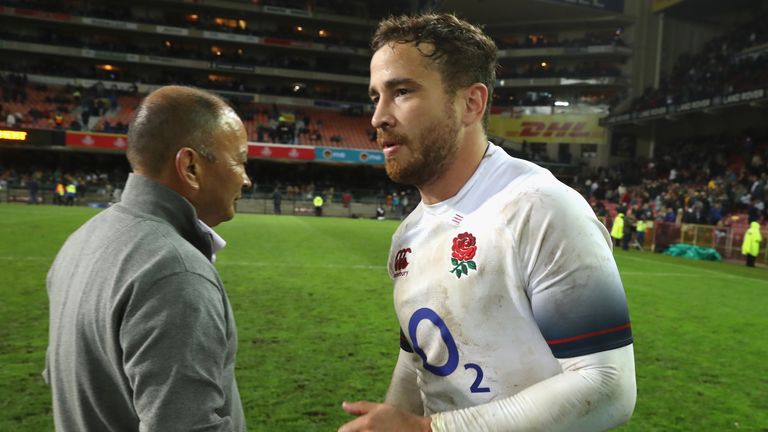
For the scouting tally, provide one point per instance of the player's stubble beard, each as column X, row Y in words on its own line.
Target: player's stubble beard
column 433, row 149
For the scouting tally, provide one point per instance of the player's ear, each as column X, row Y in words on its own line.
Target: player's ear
column 475, row 101
column 188, row 167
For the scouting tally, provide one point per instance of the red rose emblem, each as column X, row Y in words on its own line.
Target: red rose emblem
column 464, row 247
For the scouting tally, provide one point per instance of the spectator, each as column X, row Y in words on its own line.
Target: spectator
column 277, row 199
column 318, row 203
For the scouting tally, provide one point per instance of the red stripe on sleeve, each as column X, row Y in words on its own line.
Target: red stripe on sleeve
column 589, row 335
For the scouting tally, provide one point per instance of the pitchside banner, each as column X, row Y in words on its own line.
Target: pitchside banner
column 277, row 151
column 330, row 154
column 101, row 141
column 575, row 129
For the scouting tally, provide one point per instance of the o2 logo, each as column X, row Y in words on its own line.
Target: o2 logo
column 453, row 353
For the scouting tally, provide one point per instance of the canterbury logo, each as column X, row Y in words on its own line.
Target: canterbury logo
column 401, row 262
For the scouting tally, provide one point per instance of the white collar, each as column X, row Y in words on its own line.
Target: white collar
column 217, row 242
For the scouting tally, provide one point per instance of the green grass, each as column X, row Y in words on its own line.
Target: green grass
column 316, row 325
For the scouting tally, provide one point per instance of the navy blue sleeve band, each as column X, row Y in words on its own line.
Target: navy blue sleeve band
column 404, row 344
column 593, row 342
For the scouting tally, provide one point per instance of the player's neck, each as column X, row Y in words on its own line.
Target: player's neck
column 457, row 173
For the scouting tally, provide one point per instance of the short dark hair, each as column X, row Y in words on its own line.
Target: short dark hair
column 170, row 118
column 463, row 53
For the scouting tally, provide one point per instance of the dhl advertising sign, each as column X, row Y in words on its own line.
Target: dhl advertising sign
column 575, row 129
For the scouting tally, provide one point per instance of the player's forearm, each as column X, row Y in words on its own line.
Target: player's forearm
column 595, row 392
column 403, row 390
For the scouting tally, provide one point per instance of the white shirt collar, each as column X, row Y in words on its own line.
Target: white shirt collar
column 217, row 242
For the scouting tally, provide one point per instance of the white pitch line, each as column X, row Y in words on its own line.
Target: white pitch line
column 25, row 258
column 661, row 274
column 713, row 272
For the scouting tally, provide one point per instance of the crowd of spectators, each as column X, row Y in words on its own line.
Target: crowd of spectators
column 102, row 178
column 700, row 180
column 107, row 108
column 722, row 67
column 60, row 107
column 13, row 90
column 277, row 127
column 296, row 125
column 45, row 184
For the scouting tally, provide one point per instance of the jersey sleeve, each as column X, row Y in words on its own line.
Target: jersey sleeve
column 594, row 392
column 566, row 259
column 403, row 391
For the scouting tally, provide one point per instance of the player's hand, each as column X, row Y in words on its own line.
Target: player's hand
column 375, row 417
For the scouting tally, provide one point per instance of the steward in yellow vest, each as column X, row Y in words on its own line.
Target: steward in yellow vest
column 617, row 231
column 318, row 202
column 751, row 245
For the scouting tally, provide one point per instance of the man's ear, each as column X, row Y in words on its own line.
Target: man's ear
column 475, row 101
column 188, row 168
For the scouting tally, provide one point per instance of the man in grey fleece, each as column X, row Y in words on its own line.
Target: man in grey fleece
column 142, row 336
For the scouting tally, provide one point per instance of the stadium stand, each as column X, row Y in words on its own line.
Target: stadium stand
column 734, row 61
column 296, row 72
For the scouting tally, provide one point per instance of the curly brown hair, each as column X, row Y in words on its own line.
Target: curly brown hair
column 463, row 53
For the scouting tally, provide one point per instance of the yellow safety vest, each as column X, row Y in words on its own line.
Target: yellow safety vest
column 617, row 231
column 641, row 226
column 752, row 239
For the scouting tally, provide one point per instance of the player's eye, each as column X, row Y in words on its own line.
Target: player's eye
column 402, row 91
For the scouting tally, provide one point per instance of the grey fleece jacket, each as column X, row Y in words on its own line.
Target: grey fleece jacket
column 142, row 335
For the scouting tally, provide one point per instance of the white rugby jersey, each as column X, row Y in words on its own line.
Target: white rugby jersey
column 495, row 284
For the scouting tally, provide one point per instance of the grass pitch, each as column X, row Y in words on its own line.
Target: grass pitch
column 316, row 324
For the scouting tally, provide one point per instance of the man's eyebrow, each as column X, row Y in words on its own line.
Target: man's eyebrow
column 395, row 82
